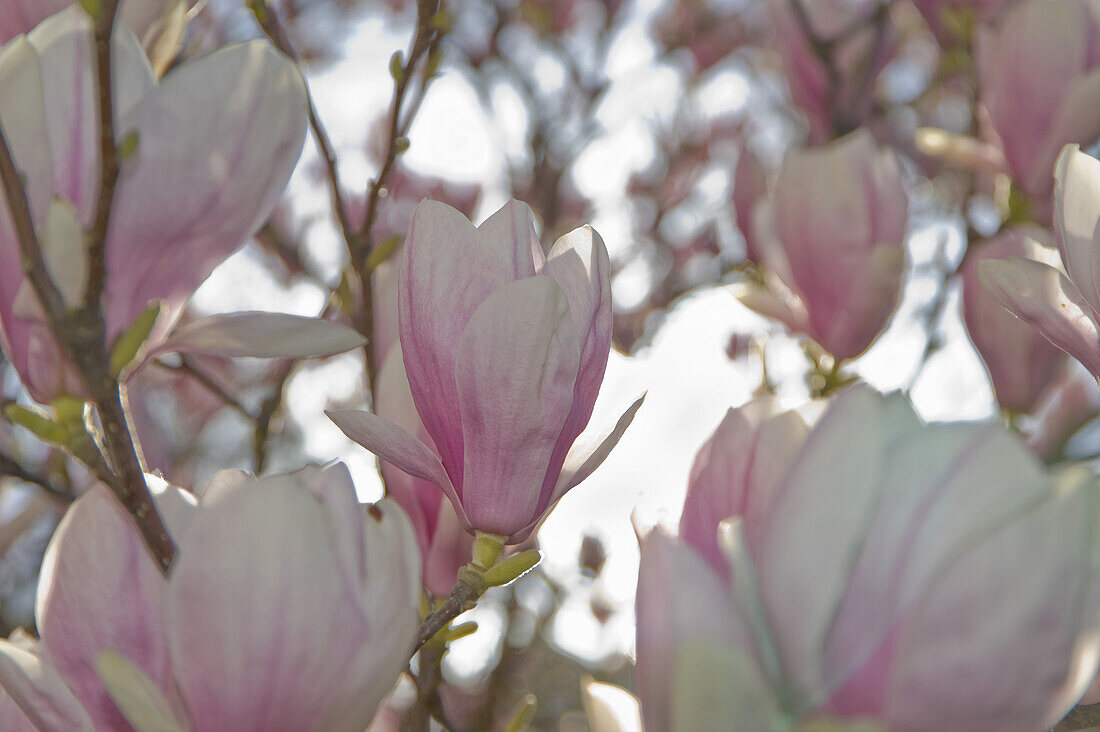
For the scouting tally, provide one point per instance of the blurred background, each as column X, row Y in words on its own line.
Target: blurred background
column 640, row 117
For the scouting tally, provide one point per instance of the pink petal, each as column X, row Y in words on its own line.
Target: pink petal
column 19, row 16
column 31, row 682
column 101, row 590
column 217, row 141
column 1040, row 295
column 515, row 371
column 262, row 335
column 262, row 622
column 1077, row 219
column 395, row 445
column 448, row 270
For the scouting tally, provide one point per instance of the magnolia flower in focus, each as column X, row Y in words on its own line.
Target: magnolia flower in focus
column 882, row 588
column 1063, row 306
column 505, row 348
column 1021, row 363
column 289, row 606
column 839, row 216
column 1040, row 83
column 213, row 146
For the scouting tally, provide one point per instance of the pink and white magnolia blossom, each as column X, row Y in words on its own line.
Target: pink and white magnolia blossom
column 1020, row 361
column 839, row 216
column 216, row 141
column 1062, row 305
column 906, row 575
column 1040, row 83
column 505, row 349
column 289, row 607
column 1068, row 404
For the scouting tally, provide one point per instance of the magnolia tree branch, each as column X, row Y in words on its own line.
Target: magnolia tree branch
column 82, row 333
column 1083, row 716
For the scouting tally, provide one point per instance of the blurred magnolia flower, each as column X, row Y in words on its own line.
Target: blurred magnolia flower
column 289, row 606
column 839, row 216
column 812, row 88
column 609, row 708
column 215, row 145
column 736, row 471
column 1020, row 361
column 444, row 543
column 882, row 586
column 1063, row 306
column 505, row 349
column 146, row 18
column 1040, row 83
column 750, row 189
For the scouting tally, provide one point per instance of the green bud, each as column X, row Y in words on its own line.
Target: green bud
column 37, row 422
column 523, row 714
column 401, row 144
column 130, row 341
column 512, row 568
column 487, row 549
column 92, row 7
column 397, row 67
column 461, row 631
column 128, row 146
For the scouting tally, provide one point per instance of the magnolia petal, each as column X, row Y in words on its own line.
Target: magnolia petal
column 1077, row 218
column 582, row 463
column 390, row 591
column 1042, row 296
column 101, row 589
column 449, row 269
column 216, row 143
column 956, row 666
column 392, row 443
column 262, row 622
column 19, row 16
column 262, row 335
column 764, row 301
column 23, row 116
column 65, row 252
column 34, row 684
column 823, row 502
column 515, row 371
column 65, row 45
column 139, row 699
column 579, row 263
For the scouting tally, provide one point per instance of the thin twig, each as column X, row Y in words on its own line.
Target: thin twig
column 9, row 467
column 277, row 34
column 1084, row 716
column 108, row 157
column 190, row 368
column 262, row 433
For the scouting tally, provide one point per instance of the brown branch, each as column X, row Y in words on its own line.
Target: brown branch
column 108, row 157
column 1084, row 716
column 190, row 368
column 268, row 409
column 11, row 468
column 468, row 588
column 82, row 335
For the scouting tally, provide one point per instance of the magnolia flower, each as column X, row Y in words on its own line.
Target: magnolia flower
column 1067, row 405
column 215, row 144
column 839, row 216
column 812, row 88
column 1040, row 83
column 444, row 543
column 1021, row 363
column 912, row 576
column 750, row 188
column 505, row 349
column 288, row 606
column 1063, row 306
